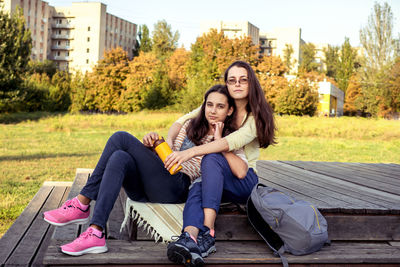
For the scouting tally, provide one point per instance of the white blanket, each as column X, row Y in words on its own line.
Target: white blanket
column 162, row 221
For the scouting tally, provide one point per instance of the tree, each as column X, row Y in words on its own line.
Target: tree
column 270, row 72
column 353, row 93
column 59, row 91
column 346, row 64
column 379, row 50
column 15, row 48
column 164, row 40
column 390, row 99
column 299, row 98
column 107, row 81
column 80, row 86
column 140, row 82
column 177, row 66
column 331, row 60
column 287, row 57
column 307, row 56
column 144, row 39
column 47, row 66
column 377, row 39
column 210, row 55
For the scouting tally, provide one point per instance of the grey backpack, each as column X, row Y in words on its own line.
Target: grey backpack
column 286, row 224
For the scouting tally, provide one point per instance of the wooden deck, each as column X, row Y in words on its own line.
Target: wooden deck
column 361, row 203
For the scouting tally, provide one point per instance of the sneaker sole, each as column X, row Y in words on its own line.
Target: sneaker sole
column 91, row 250
column 77, row 221
column 209, row 251
column 181, row 255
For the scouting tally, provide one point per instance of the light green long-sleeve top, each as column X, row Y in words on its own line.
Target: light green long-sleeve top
column 245, row 137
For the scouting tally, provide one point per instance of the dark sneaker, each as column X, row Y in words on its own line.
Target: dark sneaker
column 185, row 251
column 206, row 243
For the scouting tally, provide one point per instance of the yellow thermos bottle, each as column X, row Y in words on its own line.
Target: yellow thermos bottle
column 163, row 150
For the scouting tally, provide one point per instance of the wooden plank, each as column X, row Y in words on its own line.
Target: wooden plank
column 363, row 228
column 38, row 261
column 319, row 167
column 386, row 167
column 340, row 227
column 355, row 193
column 345, row 168
column 231, row 252
column 28, row 246
column 71, row 231
column 368, row 169
column 321, row 194
column 16, row 232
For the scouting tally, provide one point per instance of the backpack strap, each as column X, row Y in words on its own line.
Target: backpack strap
column 283, row 258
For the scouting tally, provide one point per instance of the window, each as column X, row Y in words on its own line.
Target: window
column 87, row 50
column 88, row 29
column 58, row 42
column 88, row 39
column 58, row 53
column 67, row 53
column 87, row 61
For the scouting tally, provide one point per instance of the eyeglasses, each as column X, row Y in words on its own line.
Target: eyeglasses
column 233, row 81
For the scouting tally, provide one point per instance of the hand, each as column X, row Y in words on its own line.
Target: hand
column 177, row 157
column 218, row 127
column 150, row 138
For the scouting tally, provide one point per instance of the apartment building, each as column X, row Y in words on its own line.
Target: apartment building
column 76, row 36
column 271, row 43
column 275, row 43
column 232, row 29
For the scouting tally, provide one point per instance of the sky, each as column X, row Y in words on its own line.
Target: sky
column 321, row 21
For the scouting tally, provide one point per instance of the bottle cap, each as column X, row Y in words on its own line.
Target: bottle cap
column 159, row 141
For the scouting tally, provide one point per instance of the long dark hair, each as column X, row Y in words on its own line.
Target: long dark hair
column 258, row 106
column 198, row 127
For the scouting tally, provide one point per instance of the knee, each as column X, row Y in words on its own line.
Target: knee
column 120, row 158
column 211, row 160
column 120, row 135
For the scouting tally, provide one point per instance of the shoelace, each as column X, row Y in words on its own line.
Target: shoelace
column 177, row 237
column 85, row 235
column 68, row 204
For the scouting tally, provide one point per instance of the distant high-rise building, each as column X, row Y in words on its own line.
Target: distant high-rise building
column 75, row 37
column 275, row 43
column 271, row 43
column 232, row 29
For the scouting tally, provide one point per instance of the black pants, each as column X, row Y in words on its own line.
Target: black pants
column 126, row 162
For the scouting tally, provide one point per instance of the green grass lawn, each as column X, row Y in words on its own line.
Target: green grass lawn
column 42, row 147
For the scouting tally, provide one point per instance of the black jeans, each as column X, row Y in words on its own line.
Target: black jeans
column 126, row 162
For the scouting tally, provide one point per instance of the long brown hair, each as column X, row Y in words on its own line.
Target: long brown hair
column 258, row 106
column 198, row 127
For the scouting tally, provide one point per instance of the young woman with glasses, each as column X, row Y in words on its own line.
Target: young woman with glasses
column 255, row 123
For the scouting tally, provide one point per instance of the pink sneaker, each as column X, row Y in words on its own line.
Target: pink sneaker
column 69, row 212
column 87, row 242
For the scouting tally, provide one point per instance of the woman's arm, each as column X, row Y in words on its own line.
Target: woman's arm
column 236, row 140
column 238, row 166
column 173, row 133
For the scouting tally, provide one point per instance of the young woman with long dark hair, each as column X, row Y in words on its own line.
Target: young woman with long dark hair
column 256, row 129
column 126, row 162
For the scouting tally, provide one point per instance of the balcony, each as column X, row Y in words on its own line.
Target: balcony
column 62, row 26
column 60, row 58
column 61, row 47
column 62, row 36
